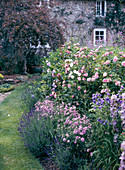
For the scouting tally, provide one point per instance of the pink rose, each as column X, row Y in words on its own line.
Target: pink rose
column 121, row 52
column 64, row 139
column 96, row 76
column 102, row 91
column 68, row 52
column 89, row 79
column 68, row 141
column 107, row 53
column 83, row 79
column 79, row 78
column 84, row 91
column 111, row 52
column 115, row 59
column 69, row 85
column 86, row 74
column 79, row 88
column 123, row 63
column 107, row 62
column 117, row 83
column 93, row 79
column 82, row 139
column 104, row 74
column 105, row 80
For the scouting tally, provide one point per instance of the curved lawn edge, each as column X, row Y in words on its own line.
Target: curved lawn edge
column 13, row 154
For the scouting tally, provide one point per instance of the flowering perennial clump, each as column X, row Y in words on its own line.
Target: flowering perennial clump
column 108, row 107
column 70, row 123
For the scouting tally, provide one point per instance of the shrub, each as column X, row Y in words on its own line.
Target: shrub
column 24, row 24
column 6, row 87
column 76, row 73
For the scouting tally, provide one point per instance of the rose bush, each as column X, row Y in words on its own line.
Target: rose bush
column 76, row 73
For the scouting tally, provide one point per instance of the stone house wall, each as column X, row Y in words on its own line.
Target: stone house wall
column 77, row 19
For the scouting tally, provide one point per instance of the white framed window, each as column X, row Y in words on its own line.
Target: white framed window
column 101, row 8
column 44, row 2
column 99, row 36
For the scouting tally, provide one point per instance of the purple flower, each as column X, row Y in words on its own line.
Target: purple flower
column 32, row 96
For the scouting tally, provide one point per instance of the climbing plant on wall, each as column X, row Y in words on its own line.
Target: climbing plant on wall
column 115, row 17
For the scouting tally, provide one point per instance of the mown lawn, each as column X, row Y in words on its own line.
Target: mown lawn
column 13, row 154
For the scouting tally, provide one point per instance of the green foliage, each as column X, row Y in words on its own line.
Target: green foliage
column 23, row 24
column 74, row 73
column 75, row 80
column 6, row 87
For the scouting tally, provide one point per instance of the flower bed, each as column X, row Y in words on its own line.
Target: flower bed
column 77, row 119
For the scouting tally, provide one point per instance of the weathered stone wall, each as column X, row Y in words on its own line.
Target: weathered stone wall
column 77, row 19
column 73, row 11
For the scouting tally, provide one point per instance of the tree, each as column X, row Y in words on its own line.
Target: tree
column 24, row 23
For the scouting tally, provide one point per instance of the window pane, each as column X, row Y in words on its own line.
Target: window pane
column 103, row 8
column 101, row 37
column 97, row 33
column 97, row 38
column 101, row 32
column 98, row 8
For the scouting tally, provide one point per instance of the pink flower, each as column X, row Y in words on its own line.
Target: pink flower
column 64, row 139
column 76, row 123
column 106, row 54
column 123, row 63
column 121, row 52
column 96, row 76
column 89, row 79
column 84, row 91
column 107, row 62
column 93, row 79
column 79, row 78
column 91, row 153
column 96, row 68
column 69, row 85
column 105, row 80
column 84, row 131
column 75, row 131
column 109, row 80
column 82, row 139
column 83, row 79
column 68, row 141
column 111, row 52
column 104, row 74
column 86, row 74
column 67, row 135
column 79, row 88
column 72, row 96
column 102, row 91
column 123, row 55
column 115, row 59
column 68, row 52
column 117, row 83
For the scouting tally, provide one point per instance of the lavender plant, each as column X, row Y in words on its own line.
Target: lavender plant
column 71, row 148
column 37, row 133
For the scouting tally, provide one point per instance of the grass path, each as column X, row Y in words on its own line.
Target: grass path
column 13, row 154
